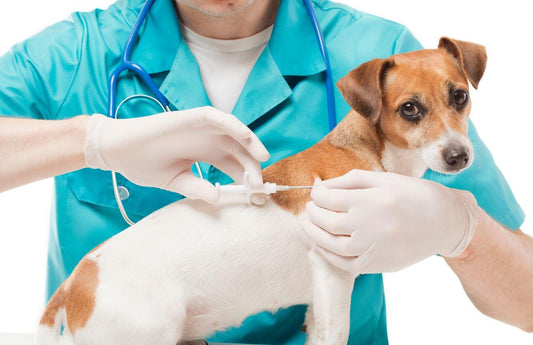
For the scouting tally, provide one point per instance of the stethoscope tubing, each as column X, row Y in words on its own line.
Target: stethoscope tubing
column 127, row 65
column 332, row 118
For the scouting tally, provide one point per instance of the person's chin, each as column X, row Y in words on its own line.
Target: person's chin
column 218, row 8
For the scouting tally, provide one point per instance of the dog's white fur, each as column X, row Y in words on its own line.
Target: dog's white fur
column 202, row 288
column 415, row 162
column 205, row 268
column 432, row 153
column 214, row 265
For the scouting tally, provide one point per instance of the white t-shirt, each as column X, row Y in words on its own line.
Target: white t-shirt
column 225, row 64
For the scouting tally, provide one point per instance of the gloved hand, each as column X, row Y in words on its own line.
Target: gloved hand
column 159, row 150
column 373, row 222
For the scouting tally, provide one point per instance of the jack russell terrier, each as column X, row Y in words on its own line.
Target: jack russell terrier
column 190, row 269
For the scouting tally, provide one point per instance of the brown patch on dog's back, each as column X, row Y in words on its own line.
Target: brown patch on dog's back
column 57, row 301
column 76, row 295
column 81, row 299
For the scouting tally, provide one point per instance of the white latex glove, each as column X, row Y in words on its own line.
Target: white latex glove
column 373, row 222
column 159, row 150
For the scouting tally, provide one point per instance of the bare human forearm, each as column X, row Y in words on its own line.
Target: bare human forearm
column 496, row 271
column 31, row 150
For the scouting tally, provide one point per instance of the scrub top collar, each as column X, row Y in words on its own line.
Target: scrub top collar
column 293, row 44
column 159, row 38
column 292, row 51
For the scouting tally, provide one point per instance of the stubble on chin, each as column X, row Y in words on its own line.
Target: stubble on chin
column 217, row 8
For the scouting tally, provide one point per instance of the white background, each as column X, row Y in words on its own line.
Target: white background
column 426, row 303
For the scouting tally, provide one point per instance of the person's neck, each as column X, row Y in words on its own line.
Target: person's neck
column 250, row 21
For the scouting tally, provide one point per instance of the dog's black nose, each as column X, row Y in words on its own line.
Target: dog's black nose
column 456, row 159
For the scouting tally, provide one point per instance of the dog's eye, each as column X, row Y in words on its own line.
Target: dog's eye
column 410, row 111
column 460, row 97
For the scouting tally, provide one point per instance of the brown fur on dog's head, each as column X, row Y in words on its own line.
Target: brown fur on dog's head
column 375, row 136
column 362, row 88
column 471, row 57
column 384, row 91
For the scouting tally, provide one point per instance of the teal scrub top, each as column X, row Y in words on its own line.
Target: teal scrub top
column 64, row 70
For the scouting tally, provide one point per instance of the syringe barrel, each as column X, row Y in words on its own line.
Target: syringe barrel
column 266, row 188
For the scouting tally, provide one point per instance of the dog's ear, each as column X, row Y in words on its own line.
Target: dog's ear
column 362, row 88
column 472, row 58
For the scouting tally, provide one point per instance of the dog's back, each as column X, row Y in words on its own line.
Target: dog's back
column 190, row 269
column 189, row 265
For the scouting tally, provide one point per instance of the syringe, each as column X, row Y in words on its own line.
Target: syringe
column 246, row 189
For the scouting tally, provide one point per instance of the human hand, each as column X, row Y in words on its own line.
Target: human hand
column 372, row 222
column 159, row 150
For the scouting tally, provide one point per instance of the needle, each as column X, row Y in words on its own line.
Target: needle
column 286, row 188
column 246, row 189
column 266, row 188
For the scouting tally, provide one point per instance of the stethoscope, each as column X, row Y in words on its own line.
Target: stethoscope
column 127, row 65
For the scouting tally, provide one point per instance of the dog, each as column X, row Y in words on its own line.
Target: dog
column 190, row 268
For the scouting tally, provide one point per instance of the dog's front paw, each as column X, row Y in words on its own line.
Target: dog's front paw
column 193, row 342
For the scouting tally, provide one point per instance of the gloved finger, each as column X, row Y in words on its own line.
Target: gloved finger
column 253, row 168
column 229, row 153
column 231, row 167
column 234, row 169
column 258, row 199
column 255, row 178
column 235, row 164
column 339, row 200
column 333, row 222
column 234, row 128
column 356, row 179
column 347, row 263
column 251, row 165
column 193, row 187
column 341, row 245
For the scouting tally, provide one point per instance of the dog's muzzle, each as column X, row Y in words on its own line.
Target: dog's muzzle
column 456, row 158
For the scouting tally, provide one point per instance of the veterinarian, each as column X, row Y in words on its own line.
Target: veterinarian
column 258, row 60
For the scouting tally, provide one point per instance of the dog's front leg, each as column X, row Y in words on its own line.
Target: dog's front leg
column 193, row 342
column 332, row 290
column 309, row 326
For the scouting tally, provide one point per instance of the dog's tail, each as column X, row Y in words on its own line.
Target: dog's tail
column 49, row 327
